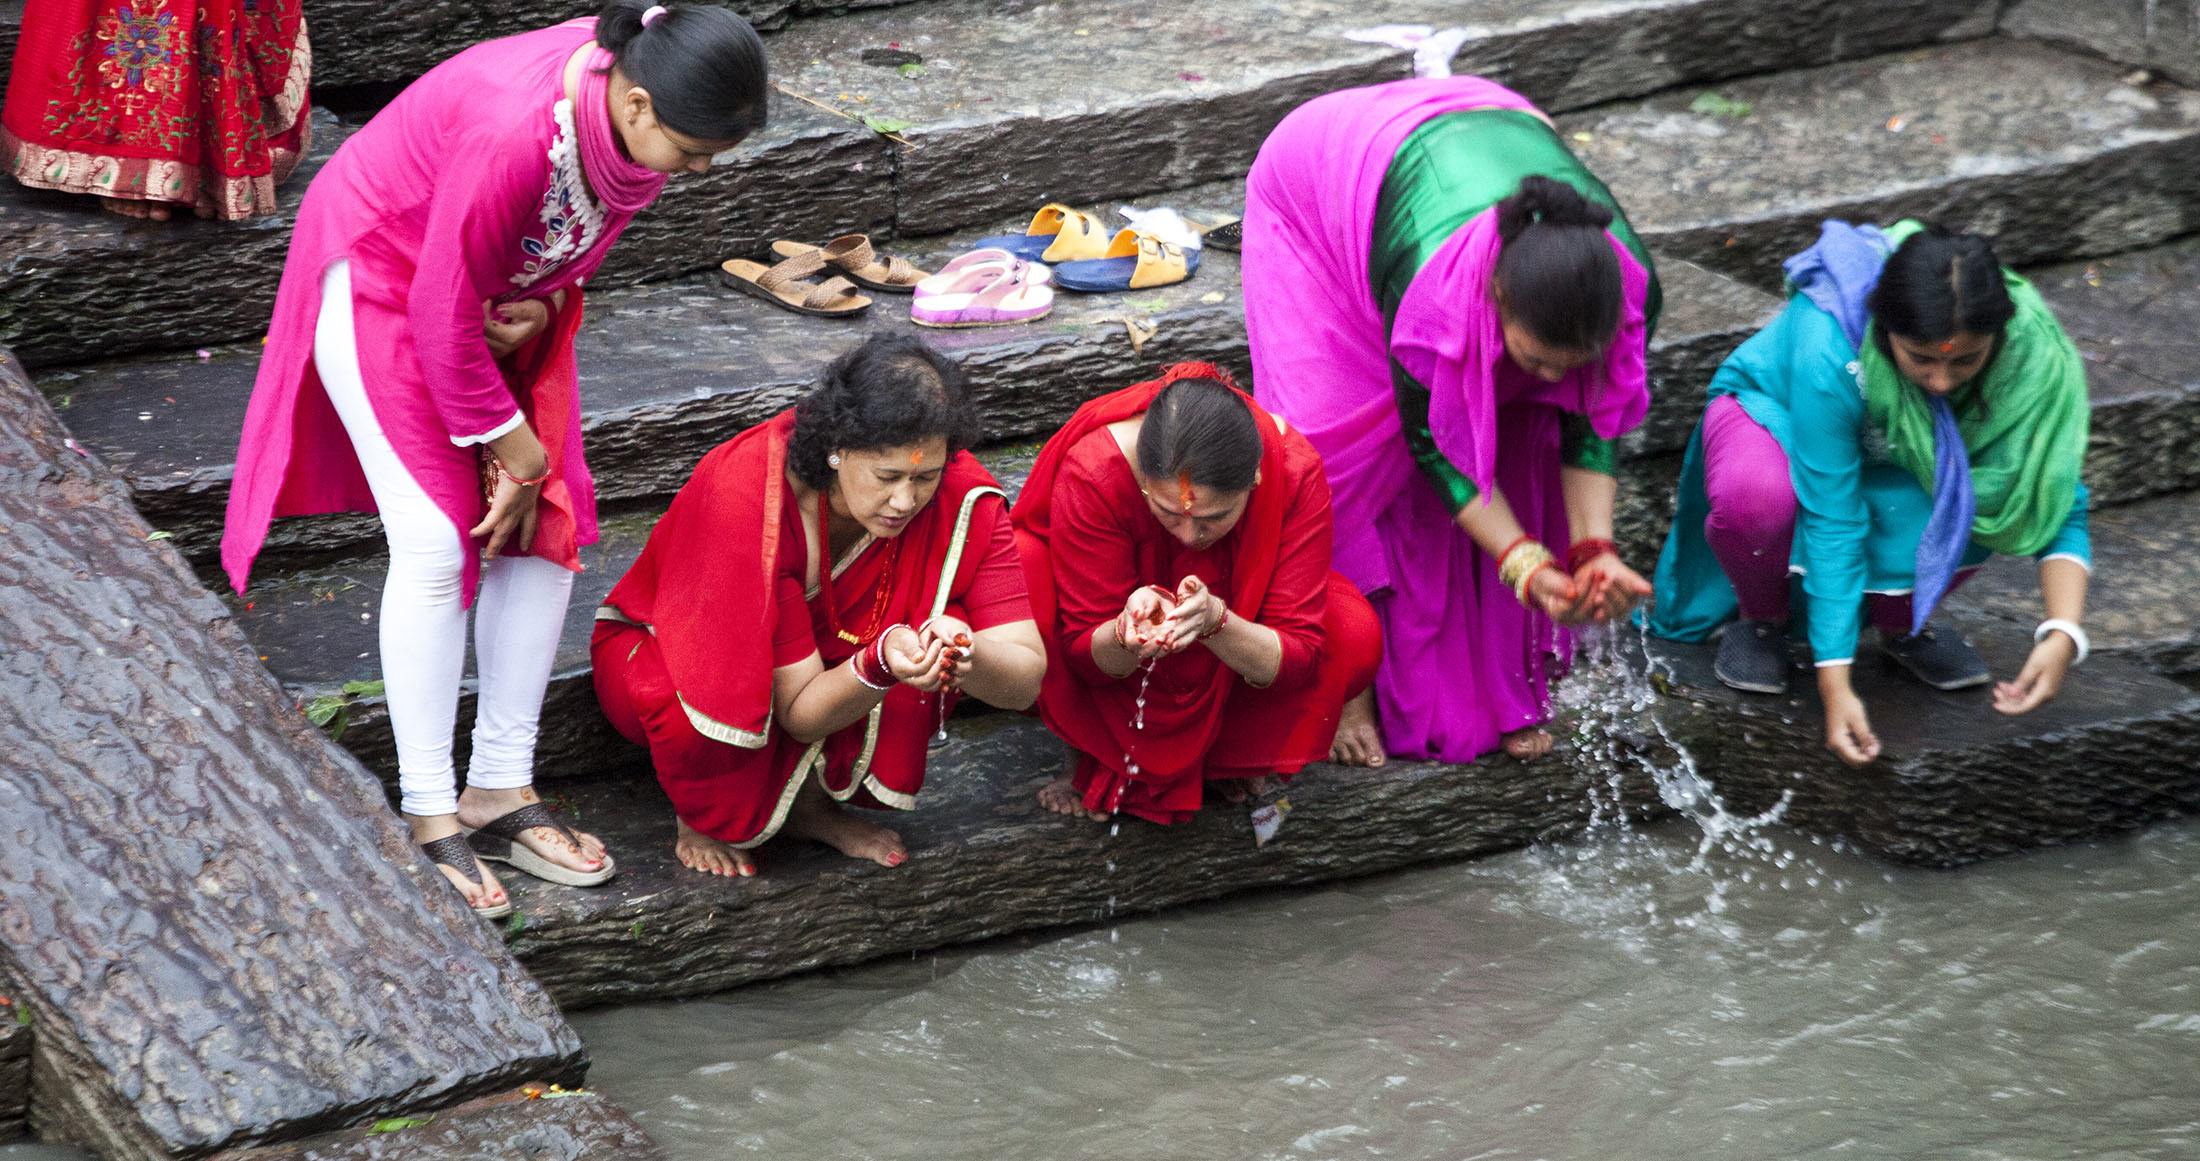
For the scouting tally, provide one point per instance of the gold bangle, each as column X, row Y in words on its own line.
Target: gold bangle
column 1525, row 560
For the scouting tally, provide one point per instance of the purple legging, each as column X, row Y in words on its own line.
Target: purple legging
column 1752, row 521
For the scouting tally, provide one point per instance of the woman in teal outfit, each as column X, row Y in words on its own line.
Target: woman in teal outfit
column 1914, row 410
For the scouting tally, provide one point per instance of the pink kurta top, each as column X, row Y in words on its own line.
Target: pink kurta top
column 465, row 189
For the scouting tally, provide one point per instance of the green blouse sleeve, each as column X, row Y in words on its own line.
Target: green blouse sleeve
column 1456, row 489
column 1581, row 447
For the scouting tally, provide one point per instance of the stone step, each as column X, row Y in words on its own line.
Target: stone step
column 2138, row 33
column 674, row 368
column 532, row 1121
column 990, row 133
column 2135, row 606
column 1959, row 783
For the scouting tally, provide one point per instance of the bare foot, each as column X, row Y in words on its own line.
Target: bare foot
column 700, row 852
column 485, row 894
column 1529, row 744
column 130, row 208
column 820, row 819
column 478, row 808
column 1359, row 739
column 1061, row 797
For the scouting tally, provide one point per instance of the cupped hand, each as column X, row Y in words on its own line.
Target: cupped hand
column 1198, row 612
column 508, row 326
column 1849, row 731
column 2040, row 679
column 1559, row 598
column 511, row 514
column 953, row 636
column 1140, row 626
column 1609, row 589
column 913, row 660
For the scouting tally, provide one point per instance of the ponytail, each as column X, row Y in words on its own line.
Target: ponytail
column 702, row 65
column 1559, row 276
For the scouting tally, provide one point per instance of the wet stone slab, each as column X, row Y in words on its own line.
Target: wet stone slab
column 2140, row 602
column 670, row 370
column 533, row 1123
column 15, row 1075
column 2141, row 33
column 1072, row 101
column 1957, row 782
column 80, row 285
column 1013, row 109
column 2051, row 152
column 219, row 934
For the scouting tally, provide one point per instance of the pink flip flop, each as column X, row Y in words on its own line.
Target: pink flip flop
column 949, row 275
column 985, row 295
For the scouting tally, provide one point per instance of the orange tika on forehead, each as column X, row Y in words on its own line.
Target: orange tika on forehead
column 916, row 458
column 1184, row 489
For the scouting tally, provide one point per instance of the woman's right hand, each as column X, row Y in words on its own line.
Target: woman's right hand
column 1849, row 729
column 511, row 514
column 509, row 326
column 914, row 661
column 1558, row 596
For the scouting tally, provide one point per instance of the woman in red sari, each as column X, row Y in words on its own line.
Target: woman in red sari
column 807, row 611
column 149, row 104
column 1176, row 540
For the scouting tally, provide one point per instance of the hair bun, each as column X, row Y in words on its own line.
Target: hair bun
column 1547, row 202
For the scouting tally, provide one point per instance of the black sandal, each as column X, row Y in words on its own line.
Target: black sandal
column 498, row 842
column 451, row 851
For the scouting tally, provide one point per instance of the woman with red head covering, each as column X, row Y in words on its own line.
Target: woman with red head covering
column 805, row 614
column 1175, row 537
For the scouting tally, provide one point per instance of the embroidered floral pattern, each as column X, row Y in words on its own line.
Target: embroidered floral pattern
column 571, row 220
column 141, row 49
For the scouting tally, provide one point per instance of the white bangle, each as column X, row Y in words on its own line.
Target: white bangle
column 2068, row 629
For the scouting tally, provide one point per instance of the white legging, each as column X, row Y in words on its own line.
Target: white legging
column 519, row 610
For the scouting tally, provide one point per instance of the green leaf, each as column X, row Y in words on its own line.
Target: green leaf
column 22, row 1016
column 911, row 70
column 394, row 1124
column 362, row 689
column 323, row 709
column 1716, row 104
column 636, row 930
column 516, row 924
column 163, row 534
column 879, row 124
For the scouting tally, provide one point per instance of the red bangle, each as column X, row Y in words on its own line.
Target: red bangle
column 1587, row 550
column 1224, row 620
column 870, row 662
column 536, row 482
column 1500, row 557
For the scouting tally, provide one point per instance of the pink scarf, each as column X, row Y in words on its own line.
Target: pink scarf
column 1448, row 336
column 623, row 186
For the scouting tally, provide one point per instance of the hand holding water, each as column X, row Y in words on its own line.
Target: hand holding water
column 953, row 638
column 1849, row 730
column 1197, row 614
column 913, row 660
column 1140, row 626
column 1609, row 590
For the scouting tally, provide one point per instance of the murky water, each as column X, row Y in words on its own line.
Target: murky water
column 1630, row 996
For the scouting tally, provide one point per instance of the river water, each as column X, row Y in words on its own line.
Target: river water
column 1630, row 996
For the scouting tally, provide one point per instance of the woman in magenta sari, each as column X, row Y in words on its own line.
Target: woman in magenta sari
column 420, row 364
column 1448, row 305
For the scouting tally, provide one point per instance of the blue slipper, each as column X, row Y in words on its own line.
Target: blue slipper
column 1133, row 261
column 1057, row 234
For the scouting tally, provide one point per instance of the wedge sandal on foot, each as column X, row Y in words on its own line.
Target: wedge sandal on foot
column 499, row 842
column 454, row 852
column 851, row 254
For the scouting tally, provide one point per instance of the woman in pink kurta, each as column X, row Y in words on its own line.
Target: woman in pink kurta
column 420, row 365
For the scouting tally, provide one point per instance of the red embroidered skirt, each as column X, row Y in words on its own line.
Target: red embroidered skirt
column 201, row 103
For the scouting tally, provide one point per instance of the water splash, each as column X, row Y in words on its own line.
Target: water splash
column 1614, row 877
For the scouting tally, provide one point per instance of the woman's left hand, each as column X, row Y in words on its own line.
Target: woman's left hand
column 1609, row 588
column 507, row 327
column 2040, row 679
column 1198, row 612
column 953, row 636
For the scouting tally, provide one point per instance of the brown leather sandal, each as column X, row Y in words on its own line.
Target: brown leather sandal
column 852, row 255
column 786, row 286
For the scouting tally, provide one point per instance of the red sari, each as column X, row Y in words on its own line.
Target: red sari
column 1088, row 541
column 196, row 102
column 686, row 643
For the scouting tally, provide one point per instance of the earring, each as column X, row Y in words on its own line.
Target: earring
column 833, row 460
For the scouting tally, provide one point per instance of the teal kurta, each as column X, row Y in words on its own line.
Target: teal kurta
column 1859, row 514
